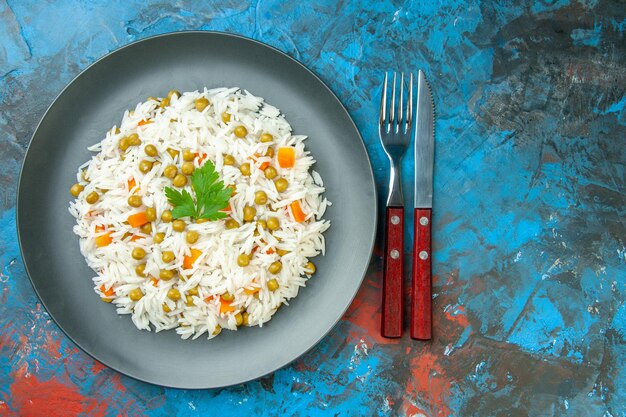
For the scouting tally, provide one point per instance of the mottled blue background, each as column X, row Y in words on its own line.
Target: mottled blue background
column 529, row 262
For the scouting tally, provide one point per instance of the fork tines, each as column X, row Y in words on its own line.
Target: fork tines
column 404, row 120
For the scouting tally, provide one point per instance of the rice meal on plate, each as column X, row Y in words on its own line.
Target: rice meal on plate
column 200, row 212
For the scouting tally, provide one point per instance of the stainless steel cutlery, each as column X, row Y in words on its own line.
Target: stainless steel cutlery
column 397, row 123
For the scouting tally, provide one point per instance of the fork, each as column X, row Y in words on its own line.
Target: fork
column 394, row 131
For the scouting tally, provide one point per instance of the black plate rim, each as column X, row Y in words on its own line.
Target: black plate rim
column 178, row 33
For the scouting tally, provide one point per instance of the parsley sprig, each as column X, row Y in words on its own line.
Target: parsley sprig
column 211, row 196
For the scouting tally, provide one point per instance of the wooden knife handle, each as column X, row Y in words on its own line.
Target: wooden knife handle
column 421, row 315
column 393, row 272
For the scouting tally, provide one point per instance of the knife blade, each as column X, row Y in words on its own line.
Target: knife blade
column 424, row 144
column 421, row 315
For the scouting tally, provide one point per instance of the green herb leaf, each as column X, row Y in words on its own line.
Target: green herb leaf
column 211, row 196
column 177, row 198
column 187, row 208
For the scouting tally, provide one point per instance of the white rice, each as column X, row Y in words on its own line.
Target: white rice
column 181, row 126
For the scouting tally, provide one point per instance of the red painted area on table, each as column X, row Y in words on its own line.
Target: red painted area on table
column 23, row 348
column 365, row 310
column 411, row 409
column 129, row 405
column 5, row 339
column 428, row 381
column 31, row 396
column 116, row 381
column 5, row 411
column 52, row 346
column 355, row 336
column 97, row 367
column 457, row 315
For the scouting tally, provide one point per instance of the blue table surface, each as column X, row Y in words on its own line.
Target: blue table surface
column 529, row 233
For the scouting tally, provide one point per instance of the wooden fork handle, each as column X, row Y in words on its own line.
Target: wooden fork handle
column 393, row 271
column 421, row 316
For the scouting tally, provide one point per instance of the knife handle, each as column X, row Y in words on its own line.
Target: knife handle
column 421, row 316
column 393, row 271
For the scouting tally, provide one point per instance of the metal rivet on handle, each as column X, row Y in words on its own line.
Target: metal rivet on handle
column 394, row 254
column 423, row 221
column 395, row 219
column 423, row 255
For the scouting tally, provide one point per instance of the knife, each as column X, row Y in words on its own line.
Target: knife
column 421, row 316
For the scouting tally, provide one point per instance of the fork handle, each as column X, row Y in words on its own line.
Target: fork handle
column 393, row 272
column 421, row 316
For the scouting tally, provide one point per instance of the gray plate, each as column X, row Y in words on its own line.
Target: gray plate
column 95, row 101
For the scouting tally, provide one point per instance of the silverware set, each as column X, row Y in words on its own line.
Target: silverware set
column 399, row 121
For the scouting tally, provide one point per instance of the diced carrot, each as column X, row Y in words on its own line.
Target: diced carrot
column 144, row 122
column 297, row 212
column 226, row 307
column 270, row 251
column 228, row 208
column 154, row 281
column 286, row 157
column 108, row 292
column 137, row 219
column 209, row 298
column 104, row 240
column 263, row 165
column 201, row 158
column 132, row 184
column 251, row 290
column 135, row 238
column 188, row 261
